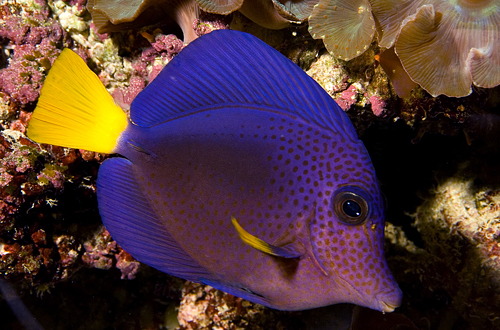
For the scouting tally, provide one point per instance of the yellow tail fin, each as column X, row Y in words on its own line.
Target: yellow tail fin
column 75, row 110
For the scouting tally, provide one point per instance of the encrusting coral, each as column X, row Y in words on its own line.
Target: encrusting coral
column 34, row 41
column 460, row 227
column 203, row 307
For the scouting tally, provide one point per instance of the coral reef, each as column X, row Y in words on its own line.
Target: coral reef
column 203, row 307
column 109, row 16
column 351, row 89
column 413, row 29
column 35, row 40
column 102, row 252
column 209, row 22
column 31, row 178
column 446, row 47
column 444, row 249
column 460, row 227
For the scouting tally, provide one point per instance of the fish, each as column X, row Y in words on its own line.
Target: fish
column 234, row 169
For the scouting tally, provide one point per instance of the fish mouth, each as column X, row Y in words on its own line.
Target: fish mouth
column 389, row 301
column 387, row 307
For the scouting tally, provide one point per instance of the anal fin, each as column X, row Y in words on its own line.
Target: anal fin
column 131, row 221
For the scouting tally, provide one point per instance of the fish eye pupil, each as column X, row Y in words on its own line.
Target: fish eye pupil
column 351, row 208
column 351, row 205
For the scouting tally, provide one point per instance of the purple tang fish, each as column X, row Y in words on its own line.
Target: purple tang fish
column 236, row 170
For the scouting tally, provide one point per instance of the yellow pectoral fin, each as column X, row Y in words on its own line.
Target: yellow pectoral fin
column 75, row 110
column 262, row 246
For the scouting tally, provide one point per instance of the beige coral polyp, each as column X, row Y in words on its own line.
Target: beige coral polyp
column 119, row 11
column 389, row 15
column 346, row 26
column 222, row 7
column 448, row 46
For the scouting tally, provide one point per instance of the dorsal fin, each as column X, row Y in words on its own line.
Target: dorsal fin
column 234, row 69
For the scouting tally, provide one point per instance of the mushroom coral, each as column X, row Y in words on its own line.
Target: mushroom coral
column 115, row 15
column 444, row 45
column 300, row 9
column 346, row 26
column 448, row 45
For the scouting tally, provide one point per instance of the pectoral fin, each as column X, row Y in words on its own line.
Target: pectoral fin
column 258, row 244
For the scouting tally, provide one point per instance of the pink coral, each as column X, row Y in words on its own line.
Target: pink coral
column 21, row 123
column 203, row 307
column 14, row 161
column 22, row 80
column 162, row 46
column 347, row 98
column 67, row 248
column 98, row 250
column 101, row 36
column 124, row 96
column 101, row 251
column 378, row 105
column 136, row 85
column 6, row 209
column 52, row 175
column 39, row 27
column 165, row 45
column 80, row 4
column 127, row 265
column 155, row 72
column 34, row 40
column 210, row 22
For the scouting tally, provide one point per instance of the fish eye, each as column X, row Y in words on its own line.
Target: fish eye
column 350, row 205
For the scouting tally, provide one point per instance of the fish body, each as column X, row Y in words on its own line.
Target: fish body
column 240, row 172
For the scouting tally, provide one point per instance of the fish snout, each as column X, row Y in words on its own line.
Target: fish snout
column 389, row 301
